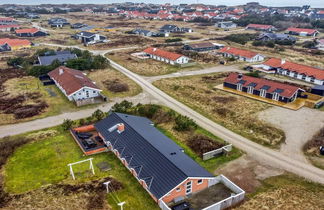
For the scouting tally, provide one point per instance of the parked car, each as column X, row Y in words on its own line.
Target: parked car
column 322, row 150
column 248, row 68
column 182, row 206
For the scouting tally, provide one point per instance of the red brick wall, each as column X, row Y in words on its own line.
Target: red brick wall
column 195, row 188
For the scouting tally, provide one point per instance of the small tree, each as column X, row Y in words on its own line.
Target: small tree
column 184, row 123
column 67, row 124
column 98, row 115
column 122, row 107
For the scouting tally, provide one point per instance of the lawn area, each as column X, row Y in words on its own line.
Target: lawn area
column 286, row 192
column 234, row 112
column 44, row 162
column 101, row 76
column 148, row 67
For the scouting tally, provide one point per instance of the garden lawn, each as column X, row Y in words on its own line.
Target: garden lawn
column 44, row 162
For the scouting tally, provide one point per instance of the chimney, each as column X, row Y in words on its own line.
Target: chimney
column 154, row 49
column 61, row 71
column 283, row 61
column 240, row 76
column 120, row 127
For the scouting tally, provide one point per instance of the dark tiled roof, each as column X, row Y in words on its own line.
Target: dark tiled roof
column 259, row 83
column 148, row 151
column 60, row 56
column 202, row 45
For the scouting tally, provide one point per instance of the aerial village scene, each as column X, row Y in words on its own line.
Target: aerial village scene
column 172, row 106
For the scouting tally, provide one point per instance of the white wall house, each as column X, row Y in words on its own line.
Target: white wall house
column 242, row 55
column 256, row 58
column 167, row 57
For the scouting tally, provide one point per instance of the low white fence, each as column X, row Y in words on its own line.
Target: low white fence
column 234, row 199
column 211, row 154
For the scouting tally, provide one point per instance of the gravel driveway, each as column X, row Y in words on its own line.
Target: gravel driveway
column 299, row 127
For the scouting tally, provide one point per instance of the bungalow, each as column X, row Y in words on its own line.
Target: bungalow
column 302, row 31
column 61, row 56
column 260, row 27
column 262, row 87
column 88, row 38
column 201, row 47
column 14, row 44
column 276, row 37
column 243, row 55
column 170, row 29
column 78, row 25
column 30, row 32
column 142, row 32
column 226, row 25
column 158, row 163
column 8, row 28
column 74, row 84
column 7, row 21
column 165, row 56
column 58, row 22
column 294, row 70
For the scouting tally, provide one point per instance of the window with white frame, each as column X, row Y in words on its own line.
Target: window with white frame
column 178, row 189
column 200, row 181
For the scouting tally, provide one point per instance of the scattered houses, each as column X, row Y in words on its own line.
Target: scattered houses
column 202, row 46
column 174, row 29
column 9, row 27
column 61, row 56
column 7, row 44
column 262, row 87
column 74, row 84
column 7, row 21
column 165, row 56
column 30, row 32
column 88, row 38
column 226, row 25
column 58, row 22
column 243, row 55
column 294, row 70
column 276, row 37
column 302, row 31
column 260, row 27
column 158, row 163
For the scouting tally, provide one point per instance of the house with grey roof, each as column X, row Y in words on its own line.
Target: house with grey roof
column 276, row 37
column 61, row 56
column 226, row 25
column 88, row 38
column 142, row 32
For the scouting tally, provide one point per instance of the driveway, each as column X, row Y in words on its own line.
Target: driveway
column 299, row 127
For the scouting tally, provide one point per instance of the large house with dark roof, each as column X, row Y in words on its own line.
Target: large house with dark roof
column 30, row 32
column 201, row 47
column 242, row 55
column 88, row 38
column 260, row 27
column 157, row 162
column 61, row 56
column 262, row 87
column 74, row 84
column 165, row 56
column 295, row 70
column 276, row 37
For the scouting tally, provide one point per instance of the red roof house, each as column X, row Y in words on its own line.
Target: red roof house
column 260, row 27
column 244, row 55
column 5, row 28
column 74, row 84
column 302, row 31
column 15, row 44
column 168, row 57
column 30, row 32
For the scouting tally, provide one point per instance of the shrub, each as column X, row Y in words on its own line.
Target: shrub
column 122, row 107
column 67, row 124
column 184, row 123
column 116, row 86
column 173, row 40
column 148, row 110
column 98, row 115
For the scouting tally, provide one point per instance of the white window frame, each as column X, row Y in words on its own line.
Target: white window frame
column 250, row 89
column 200, row 180
column 275, row 96
column 239, row 87
column 178, row 189
column 189, row 187
column 263, row 93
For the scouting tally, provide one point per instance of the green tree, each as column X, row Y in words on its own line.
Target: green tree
column 122, row 107
column 98, row 115
column 67, row 124
column 184, row 123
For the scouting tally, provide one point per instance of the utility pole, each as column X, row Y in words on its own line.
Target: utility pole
column 121, row 205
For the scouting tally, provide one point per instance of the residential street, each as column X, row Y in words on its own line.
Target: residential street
column 260, row 153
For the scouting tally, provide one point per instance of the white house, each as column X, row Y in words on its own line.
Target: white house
column 74, row 84
column 243, row 55
column 165, row 56
column 295, row 70
column 226, row 25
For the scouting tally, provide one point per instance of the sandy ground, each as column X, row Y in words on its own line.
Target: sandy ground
column 247, row 173
column 299, row 127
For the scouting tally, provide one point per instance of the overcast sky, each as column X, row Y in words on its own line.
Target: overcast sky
column 313, row 3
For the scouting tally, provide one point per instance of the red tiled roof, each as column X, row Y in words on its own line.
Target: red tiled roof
column 14, row 42
column 238, row 52
column 6, row 19
column 299, row 30
column 27, row 30
column 259, row 26
column 9, row 26
column 288, row 90
column 299, row 68
column 162, row 53
column 71, row 80
column 320, row 12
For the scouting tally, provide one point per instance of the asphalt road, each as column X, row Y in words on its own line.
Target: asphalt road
column 260, row 153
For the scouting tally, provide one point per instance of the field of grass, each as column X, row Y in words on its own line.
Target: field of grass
column 236, row 113
column 286, row 192
column 44, row 162
column 100, row 76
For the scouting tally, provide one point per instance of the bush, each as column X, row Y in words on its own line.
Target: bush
column 270, row 44
column 240, row 38
column 116, row 86
column 184, row 123
column 67, row 124
column 148, row 110
column 173, row 40
column 122, row 107
column 98, row 115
